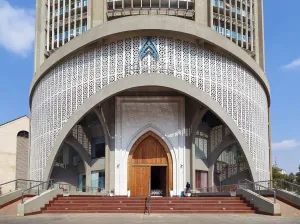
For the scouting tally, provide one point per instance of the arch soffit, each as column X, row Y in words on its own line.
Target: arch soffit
column 166, row 23
column 149, row 79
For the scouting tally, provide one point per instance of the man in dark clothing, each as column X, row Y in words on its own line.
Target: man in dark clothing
column 188, row 186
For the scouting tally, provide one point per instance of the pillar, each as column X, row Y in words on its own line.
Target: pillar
column 202, row 12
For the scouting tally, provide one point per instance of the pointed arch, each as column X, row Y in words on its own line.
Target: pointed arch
column 167, row 153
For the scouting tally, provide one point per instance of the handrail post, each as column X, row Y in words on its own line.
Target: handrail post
column 274, row 196
column 22, row 197
column 38, row 189
column 16, row 185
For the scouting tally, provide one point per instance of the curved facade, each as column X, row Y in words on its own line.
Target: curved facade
column 66, row 86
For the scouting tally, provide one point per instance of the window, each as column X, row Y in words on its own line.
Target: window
column 98, row 180
column 98, row 147
column 24, row 134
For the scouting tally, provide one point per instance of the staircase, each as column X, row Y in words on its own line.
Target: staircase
column 98, row 204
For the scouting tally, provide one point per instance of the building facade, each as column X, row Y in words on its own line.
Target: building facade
column 167, row 91
column 14, row 152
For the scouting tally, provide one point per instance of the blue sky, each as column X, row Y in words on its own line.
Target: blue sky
column 282, row 51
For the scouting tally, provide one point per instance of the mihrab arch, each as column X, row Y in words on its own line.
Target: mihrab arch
column 148, row 151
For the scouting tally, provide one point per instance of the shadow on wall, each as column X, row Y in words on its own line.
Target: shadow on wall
column 233, row 179
column 63, row 175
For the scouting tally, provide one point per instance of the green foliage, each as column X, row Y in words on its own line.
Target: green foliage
column 276, row 175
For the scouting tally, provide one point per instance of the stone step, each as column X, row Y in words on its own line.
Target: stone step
column 144, row 198
column 141, row 204
column 96, row 204
column 144, row 207
column 156, row 212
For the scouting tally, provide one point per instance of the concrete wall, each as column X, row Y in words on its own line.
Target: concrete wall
column 36, row 203
column 64, row 176
column 8, row 150
column 244, row 175
column 263, row 205
column 9, row 197
column 294, row 199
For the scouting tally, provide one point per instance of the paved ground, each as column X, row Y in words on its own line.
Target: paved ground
column 11, row 209
column 285, row 209
column 163, row 219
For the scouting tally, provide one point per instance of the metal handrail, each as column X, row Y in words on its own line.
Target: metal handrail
column 149, row 195
column 19, row 180
column 16, row 183
column 221, row 188
column 248, row 182
column 38, row 186
column 281, row 181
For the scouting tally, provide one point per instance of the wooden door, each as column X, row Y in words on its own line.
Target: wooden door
column 140, row 179
column 201, row 179
column 149, row 150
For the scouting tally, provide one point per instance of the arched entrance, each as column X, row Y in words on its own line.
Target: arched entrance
column 150, row 158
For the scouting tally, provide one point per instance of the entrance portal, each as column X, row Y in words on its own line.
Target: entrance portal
column 158, row 180
column 150, row 158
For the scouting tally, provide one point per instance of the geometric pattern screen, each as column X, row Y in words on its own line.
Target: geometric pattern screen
column 66, row 87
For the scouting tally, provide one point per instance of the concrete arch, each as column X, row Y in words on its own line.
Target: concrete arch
column 149, row 79
column 150, row 24
column 214, row 155
column 72, row 141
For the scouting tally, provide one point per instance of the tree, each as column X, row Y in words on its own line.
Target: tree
column 276, row 175
column 290, row 178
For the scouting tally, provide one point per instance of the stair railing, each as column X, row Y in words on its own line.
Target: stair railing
column 256, row 187
column 214, row 189
column 40, row 187
column 17, row 183
column 282, row 184
column 149, row 195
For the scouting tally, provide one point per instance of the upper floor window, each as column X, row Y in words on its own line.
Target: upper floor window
column 98, row 147
column 24, row 134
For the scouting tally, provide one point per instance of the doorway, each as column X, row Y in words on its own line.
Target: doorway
column 201, row 180
column 158, row 180
column 150, row 158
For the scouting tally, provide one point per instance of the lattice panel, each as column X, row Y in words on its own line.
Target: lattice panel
column 65, row 88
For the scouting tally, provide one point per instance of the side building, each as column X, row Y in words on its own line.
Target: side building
column 127, row 91
column 14, row 152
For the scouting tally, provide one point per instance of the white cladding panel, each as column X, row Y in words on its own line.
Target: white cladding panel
column 137, row 115
column 66, row 87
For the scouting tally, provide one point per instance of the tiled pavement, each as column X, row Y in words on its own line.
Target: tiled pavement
column 155, row 218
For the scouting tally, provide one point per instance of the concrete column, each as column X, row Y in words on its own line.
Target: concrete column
column 39, row 33
column 88, row 175
column 98, row 15
column 270, row 148
column 107, row 147
column 202, row 12
column 259, row 34
column 193, row 167
column 210, row 183
column 188, row 157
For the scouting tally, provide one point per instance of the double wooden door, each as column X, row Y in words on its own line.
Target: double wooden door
column 148, row 151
